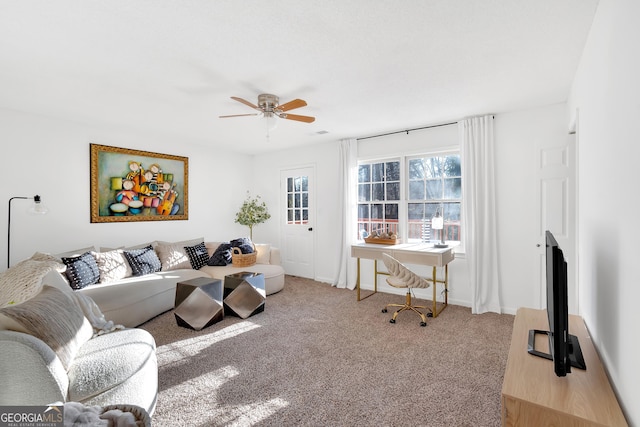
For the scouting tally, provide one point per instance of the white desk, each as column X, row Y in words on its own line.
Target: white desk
column 408, row 253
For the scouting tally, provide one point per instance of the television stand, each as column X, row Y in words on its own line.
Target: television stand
column 532, row 394
column 575, row 352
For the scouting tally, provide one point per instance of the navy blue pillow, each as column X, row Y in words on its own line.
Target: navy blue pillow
column 236, row 243
column 143, row 261
column 82, row 270
column 198, row 255
column 246, row 249
column 243, row 243
column 221, row 256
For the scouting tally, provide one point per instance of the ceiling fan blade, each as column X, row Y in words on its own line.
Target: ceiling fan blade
column 306, row 119
column 245, row 102
column 296, row 103
column 239, row 115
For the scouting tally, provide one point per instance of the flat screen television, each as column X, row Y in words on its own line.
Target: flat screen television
column 564, row 348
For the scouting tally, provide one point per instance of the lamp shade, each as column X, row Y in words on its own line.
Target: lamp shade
column 271, row 121
column 437, row 222
column 38, row 208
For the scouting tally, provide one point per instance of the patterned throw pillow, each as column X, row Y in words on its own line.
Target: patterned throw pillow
column 172, row 256
column 112, row 265
column 198, row 255
column 143, row 261
column 222, row 255
column 82, row 270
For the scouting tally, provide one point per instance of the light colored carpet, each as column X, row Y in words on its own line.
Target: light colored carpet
column 317, row 357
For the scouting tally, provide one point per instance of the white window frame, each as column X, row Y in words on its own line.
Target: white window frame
column 403, row 203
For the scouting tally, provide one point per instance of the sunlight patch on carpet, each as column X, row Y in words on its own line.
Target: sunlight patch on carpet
column 244, row 415
column 209, row 408
column 178, row 350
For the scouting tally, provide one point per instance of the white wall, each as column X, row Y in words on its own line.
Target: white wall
column 51, row 158
column 324, row 158
column 516, row 134
column 606, row 94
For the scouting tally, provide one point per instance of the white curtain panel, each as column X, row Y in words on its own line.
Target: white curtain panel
column 479, row 212
column 348, row 205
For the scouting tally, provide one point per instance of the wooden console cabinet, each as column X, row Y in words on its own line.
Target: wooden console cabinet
column 532, row 394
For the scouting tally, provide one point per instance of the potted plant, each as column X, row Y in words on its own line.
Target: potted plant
column 252, row 212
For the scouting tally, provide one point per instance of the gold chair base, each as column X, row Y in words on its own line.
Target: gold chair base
column 407, row 306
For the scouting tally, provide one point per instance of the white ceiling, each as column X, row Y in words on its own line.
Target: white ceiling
column 363, row 66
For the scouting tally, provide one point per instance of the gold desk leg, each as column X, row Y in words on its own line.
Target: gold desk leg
column 375, row 281
column 375, row 276
column 434, row 284
column 446, row 290
column 358, row 280
column 446, row 285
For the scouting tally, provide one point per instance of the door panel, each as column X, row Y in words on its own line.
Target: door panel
column 556, row 177
column 298, row 236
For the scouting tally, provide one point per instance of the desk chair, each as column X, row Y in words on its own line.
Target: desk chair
column 401, row 277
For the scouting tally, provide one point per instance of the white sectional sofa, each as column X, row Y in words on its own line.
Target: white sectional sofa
column 133, row 300
column 71, row 351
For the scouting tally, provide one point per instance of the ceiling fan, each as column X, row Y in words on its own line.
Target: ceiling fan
column 269, row 106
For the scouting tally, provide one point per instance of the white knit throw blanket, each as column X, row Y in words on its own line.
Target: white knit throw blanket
column 24, row 280
column 96, row 318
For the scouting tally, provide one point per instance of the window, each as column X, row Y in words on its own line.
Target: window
column 298, row 200
column 378, row 197
column 402, row 195
column 435, row 185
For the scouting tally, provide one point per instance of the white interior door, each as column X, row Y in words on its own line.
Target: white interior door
column 556, row 187
column 297, row 236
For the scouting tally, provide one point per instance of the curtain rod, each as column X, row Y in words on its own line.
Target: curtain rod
column 407, row 131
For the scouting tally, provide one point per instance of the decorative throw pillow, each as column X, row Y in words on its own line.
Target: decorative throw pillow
column 241, row 241
column 222, row 255
column 82, row 270
column 198, row 255
column 172, row 256
column 74, row 253
column 143, row 261
column 112, row 265
column 264, row 253
column 53, row 317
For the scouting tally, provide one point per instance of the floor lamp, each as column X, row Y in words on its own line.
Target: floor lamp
column 38, row 208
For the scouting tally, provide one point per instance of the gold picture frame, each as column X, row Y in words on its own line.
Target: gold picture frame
column 135, row 185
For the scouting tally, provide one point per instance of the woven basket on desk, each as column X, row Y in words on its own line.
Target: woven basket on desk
column 238, row 259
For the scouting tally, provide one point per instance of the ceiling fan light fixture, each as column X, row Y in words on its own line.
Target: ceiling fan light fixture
column 271, row 121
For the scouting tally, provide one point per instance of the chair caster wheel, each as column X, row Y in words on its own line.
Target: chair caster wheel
column 384, row 310
column 429, row 314
column 392, row 321
column 423, row 323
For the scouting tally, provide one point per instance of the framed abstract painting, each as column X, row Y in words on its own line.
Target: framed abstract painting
column 133, row 185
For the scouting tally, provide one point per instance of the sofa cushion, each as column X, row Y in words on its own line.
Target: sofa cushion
column 108, row 360
column 198, row 255
column 264, row 253
column 143, row 261
column 112, row 265
column 221, row 256
column 82, row 270
column 54, row 318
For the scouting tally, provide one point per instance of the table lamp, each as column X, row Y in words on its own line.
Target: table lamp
column 437, row 223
